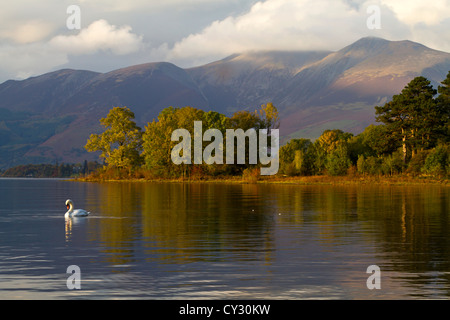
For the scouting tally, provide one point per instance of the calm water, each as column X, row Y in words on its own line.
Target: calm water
column 223, row 241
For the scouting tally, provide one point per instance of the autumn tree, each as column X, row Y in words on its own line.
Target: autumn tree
column 268, row 117
column 157, row 144
column 331, row 139
column 294, row 157
column 121, row 142
column 244, row 120
column 157, row 139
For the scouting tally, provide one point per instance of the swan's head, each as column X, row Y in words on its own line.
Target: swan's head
column 69, row 204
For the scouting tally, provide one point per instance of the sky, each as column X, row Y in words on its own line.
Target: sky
column 37, row 37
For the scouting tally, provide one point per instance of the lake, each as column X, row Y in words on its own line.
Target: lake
column 223, row 241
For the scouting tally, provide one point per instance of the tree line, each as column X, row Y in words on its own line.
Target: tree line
column 62, row 170
column 412, row 137
column 129, row 151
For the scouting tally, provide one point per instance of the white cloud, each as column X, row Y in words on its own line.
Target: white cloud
column 132, row 5
column 99, row 36
column 414, row 12
column 312, row 25
column 33, row 58
column 277, row 25
column 19, row 62
column 428, row 23
column 27, row 31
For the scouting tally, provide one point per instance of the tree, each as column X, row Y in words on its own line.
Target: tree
column 244, row 120
column 121, row 142
column 438, row 161
column 361, row 165
column 157, row 138
column 268, row 117
column 392, row 163
column 377, row 140
column 215, row 120
column 411, row 116
column 337, row 161
column 330, row 139
column 330, row 152
column 443, row 104
column 157, row 142
column 293, row 158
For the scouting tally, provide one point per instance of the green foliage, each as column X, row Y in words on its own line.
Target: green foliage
column 375, row 140
column 121, row 142
column 293, row 157
column 417, row 162
column 361, row 165
column 329, row 153
column 330, row 140
column 268, row 117
column 244, row 120
column 437, row 162
column 374, row 165
column 337, row 161
column 443, row 103
column 392, row 164
column 157, row 142
column 414, row 117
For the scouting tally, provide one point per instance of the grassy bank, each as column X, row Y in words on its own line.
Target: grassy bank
column 254, row 177
column 367, row 180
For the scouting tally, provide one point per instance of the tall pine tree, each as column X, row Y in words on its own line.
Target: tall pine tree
column 413, row 116
column 443, row 104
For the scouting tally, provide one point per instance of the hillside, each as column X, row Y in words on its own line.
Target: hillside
column 49, row 118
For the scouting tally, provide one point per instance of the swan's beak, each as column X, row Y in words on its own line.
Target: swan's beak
column 67, row 206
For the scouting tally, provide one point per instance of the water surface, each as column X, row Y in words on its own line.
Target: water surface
column 223, row 241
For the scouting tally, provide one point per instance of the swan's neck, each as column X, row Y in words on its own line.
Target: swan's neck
column 70, row 208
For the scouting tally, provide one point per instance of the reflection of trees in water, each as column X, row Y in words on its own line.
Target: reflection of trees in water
column 415, row 225
column 410, row 224
column 207, row 221
column 423, row 237
column 115, row 206
column 216, row 222
column 184, row 222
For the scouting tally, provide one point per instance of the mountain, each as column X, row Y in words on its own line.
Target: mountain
column 341, row 90
column 49, row 118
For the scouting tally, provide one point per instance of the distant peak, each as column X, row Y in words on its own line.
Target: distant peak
column 369, row 42
column 371, row 38
column 375, row 42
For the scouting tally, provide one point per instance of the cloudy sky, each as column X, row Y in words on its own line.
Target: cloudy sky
column 35, row 37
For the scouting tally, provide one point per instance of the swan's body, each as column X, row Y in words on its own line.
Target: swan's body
column 74, row 213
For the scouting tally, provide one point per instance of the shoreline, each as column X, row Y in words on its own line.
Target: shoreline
column 304, row 180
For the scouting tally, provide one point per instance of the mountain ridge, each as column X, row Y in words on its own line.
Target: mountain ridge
column 48, row 118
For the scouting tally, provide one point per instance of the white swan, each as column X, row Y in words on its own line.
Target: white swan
column 74, row 213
